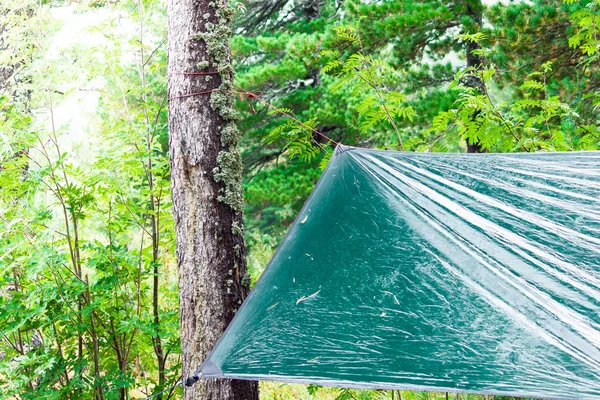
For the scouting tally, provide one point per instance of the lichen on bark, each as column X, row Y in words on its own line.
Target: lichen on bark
column 229, row 161
column 236, row 229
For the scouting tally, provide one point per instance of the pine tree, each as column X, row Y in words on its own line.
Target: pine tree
column 276, row 55
column 425, row 39
column 529, row 34
column 206, row 176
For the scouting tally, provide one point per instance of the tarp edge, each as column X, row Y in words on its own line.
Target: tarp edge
column 290, row 229
column 379, row 386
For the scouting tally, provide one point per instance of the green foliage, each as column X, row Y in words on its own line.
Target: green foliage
column 261, row 250
column 527, row 35
column 587, row 23
column 369, row 80
column 535, row 122
column 296, row 136
column 86, row 231
column 425, row 42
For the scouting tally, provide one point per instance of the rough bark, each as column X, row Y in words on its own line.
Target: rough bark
column 206, row 187
column 474, row 60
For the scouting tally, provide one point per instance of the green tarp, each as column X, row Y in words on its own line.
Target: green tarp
column 442, row 272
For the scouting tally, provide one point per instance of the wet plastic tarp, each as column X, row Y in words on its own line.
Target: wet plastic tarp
column 441, row 272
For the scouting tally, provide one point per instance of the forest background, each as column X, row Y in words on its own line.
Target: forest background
column 88, row 280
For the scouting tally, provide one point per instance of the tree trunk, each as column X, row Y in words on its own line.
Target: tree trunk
column 474, row 12
column 206, row 187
